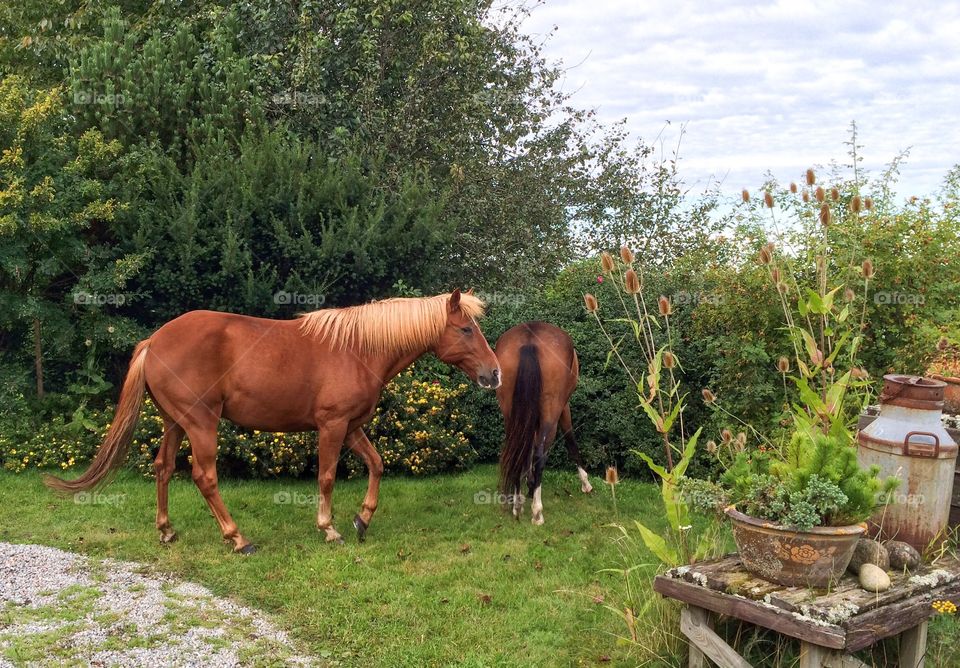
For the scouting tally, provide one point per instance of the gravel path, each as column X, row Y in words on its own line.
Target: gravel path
column 62, row 608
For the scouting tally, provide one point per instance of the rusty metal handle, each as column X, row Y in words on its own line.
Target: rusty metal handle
column 936, row 444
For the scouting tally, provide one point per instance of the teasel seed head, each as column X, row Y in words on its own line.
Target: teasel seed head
column 868, row 203
column 663, row 304
column 708, row 396
column 606, row 262
column 745, row 195
column 775, row 275
column 626, row 255
column 859, row 373
column 943, row 344
column 726, row 435
column 835, row 194
column 591, row 303
column 867, row 269
column 849, row 295
column 766, row 255
column 793, row 187
column 768, row 199
column 669, row 360
column 712, row 447
column 612, row 477
column 631, row 282
column 856, row 204
column 783, row 364
column 825, row 215
column 782, row 288
column 811, row 177
column 817, row 357
column 806, row 196
column 820, row 194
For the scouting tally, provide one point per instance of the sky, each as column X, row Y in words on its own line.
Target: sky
column 768, row 86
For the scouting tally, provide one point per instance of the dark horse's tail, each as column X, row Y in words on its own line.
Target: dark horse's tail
column 524, row 421
column 113, row 450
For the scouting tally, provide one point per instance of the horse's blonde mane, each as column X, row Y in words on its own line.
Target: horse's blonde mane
column 390, row 325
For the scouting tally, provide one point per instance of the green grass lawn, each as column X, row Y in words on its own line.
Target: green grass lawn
column 441, row 580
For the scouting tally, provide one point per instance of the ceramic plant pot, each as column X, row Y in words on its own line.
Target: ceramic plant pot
column 813, row 558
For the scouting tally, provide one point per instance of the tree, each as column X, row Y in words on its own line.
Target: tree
column 55, row 205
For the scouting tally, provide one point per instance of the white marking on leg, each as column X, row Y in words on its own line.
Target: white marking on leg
column 585, row 485
column 517, row 504
column 536, row 507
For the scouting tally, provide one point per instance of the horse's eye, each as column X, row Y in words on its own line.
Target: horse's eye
column 467, row 330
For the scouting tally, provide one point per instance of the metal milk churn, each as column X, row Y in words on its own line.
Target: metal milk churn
column 908, row 441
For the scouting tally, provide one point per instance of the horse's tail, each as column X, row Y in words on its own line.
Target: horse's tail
column 113, row 450
column 524, row 422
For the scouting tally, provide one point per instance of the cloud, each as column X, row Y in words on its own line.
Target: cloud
column 769, row 86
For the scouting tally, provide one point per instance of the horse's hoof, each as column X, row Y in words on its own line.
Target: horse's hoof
column 166, row 539
column 249, row 548
column 361, row 528
column 338, row 540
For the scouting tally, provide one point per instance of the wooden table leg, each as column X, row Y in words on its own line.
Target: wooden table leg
column 813, row 656
column 696, row 624
column 702, row 618
column 913, row 646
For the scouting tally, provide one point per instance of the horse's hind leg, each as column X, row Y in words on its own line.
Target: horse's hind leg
column 203, row 443
column 566, row 427
column 536, row 472
column 163, row 467
column 330, row 442
column 361, row 445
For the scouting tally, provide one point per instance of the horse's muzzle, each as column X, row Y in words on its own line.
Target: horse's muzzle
column 490, row 381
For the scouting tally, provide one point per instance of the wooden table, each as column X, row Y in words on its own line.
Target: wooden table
column 830, row 625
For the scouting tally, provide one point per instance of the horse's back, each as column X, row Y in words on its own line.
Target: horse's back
column 555, row 354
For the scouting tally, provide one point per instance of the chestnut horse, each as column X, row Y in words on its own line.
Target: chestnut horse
column 540, row 371
column 324, row 371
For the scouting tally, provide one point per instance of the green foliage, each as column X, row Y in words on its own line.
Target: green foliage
column 816, row 481
column 418, row 429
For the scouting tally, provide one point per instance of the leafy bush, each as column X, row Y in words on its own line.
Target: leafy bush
column 418, row 429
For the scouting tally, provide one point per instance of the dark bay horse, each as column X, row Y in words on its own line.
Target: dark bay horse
column 323, row 372
column 540, row 371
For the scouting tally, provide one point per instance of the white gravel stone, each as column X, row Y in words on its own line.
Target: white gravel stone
column 34, row 577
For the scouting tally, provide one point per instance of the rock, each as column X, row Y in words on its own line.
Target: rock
column 869, row 552
column 873, row 578
column 903, row 556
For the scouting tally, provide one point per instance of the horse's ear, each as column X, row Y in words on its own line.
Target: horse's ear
column 470, row 292
column 454, row 304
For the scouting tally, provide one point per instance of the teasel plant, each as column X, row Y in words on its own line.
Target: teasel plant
column 820, row 314
column 659, row 393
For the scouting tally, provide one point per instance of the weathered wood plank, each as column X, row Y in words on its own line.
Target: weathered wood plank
column 702, row 618
column 865, row 629
column 754, row 612
column 708, row 642
column 913, row 646
column 837, row 660
column 813, row 656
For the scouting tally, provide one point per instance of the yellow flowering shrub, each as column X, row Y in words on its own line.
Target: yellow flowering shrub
column 418, row 428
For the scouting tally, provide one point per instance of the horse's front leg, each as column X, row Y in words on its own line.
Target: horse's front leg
column 361, row 446
column 330, row 441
